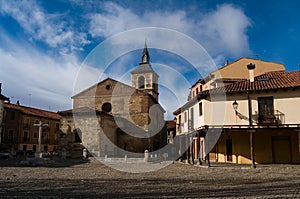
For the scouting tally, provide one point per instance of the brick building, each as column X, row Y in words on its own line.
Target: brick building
column 21, row 134
column 2, row 100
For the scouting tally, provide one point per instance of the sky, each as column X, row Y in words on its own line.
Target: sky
column 45, row 45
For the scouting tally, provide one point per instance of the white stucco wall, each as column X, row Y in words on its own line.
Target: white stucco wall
column 222, row 112
column 285, row 102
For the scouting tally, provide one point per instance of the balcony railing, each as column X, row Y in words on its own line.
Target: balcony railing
column 180, row 128
column 276, row 118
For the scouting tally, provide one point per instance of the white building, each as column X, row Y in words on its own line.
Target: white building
column 216, row 120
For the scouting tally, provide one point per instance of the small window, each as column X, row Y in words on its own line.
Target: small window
column 57, row 126
column 201, row 88
column 106, row 107
column 200, row 109
column 197, row 90
column 141, row 82
column 12, row 115
column 25, row 136
column 107, row 87
column 185, row 116
column 10, row 135
column 35, row 135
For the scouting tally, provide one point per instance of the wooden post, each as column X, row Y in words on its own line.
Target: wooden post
column 191, row 149
column 252, row 148
column 251, row 137
column 208, row 160
column 199, row 149
column 180, row 149
column 187, row 149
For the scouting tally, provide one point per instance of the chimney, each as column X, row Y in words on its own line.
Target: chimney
column 226, row 62
column 18, row 103
column 251, row 68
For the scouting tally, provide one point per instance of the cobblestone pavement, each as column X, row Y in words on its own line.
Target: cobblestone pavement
column 80, row 179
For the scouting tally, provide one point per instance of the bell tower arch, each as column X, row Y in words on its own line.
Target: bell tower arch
column 143, row 77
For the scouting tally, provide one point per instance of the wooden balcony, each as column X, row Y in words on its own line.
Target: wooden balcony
column 277, row 118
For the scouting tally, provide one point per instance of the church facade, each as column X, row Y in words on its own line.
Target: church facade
column 114, row 118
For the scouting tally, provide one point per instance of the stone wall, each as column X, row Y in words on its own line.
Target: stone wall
column 135, row 109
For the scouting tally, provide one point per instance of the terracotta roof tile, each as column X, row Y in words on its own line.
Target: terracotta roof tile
column 170, row 124
column 267, row 81
column 33, row 111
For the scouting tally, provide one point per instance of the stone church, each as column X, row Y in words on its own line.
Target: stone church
column 113, row 118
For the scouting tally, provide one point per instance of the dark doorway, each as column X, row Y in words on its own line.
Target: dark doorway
column 24, row 148
column 281, row 150
column 229, row 150
column 78, row 136
column 266, row 109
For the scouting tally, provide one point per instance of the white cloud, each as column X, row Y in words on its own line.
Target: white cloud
column 226, row 29
column 35, row 78
column 222, row 31
column 50, row 81
column 42, row 26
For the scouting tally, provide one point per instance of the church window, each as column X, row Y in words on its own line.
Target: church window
column 141, row 82
column 145, row 59
column 106, row 107
column 107, row 87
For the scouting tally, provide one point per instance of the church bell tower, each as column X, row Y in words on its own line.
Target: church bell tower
column 144, row 77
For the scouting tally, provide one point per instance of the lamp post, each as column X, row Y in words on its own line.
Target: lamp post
column 251, row 131
column 40, row 125
column 235, row 106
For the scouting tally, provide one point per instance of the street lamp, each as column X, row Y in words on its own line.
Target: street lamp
column 235, row 106
column 40, row 125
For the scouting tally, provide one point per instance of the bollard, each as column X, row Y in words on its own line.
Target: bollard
column 146, row 156
column 84, row 153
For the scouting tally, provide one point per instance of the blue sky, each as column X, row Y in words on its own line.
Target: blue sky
column 44, row 43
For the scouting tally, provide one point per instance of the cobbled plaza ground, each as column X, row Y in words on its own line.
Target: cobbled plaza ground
column 81, row 179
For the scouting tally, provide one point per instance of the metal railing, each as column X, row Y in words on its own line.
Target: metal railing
column 277, row 118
